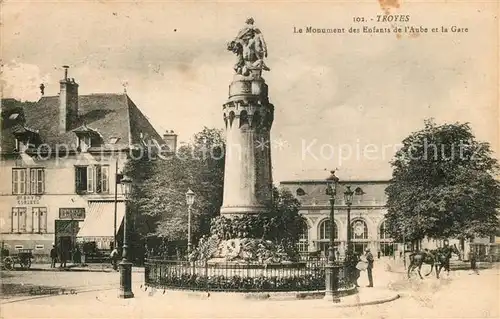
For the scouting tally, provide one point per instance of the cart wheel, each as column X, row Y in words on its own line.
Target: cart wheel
column 8, row 263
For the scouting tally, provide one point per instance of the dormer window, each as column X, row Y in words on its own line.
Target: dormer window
column 84, row 143
column 87, row 138
column 25, row 138
column 300, row 192
column 358, row 191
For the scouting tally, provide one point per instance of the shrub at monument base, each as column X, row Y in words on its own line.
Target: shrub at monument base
column 249, row 238
column 238, row 283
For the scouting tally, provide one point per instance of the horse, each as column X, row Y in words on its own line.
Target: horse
column 440, row 258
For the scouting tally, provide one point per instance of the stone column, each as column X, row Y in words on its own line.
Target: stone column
column 248, row 118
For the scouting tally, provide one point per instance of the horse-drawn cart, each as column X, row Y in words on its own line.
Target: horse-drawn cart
column 23, row 258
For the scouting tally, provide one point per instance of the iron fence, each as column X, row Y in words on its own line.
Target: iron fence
column 307, row 275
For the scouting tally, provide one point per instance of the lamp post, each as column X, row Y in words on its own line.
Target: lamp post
column 189, row 201
column 331, row 272
column 348, row 194
column 125, row 265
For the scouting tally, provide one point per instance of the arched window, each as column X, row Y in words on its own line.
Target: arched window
column 231, row 118
column 303, row 242
column 324, row 230
column 359, row 230
column 383, row 231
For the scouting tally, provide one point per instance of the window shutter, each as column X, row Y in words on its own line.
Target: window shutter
column 22, row 220
column 35, row 220
column 43, row 220
column 105, row 178
column 32, row 181
column 98, row 179
column 15, row 181
column 78, row 179
column 15, row 220
column 22, row 181
column 90, row 179
column 41, row 181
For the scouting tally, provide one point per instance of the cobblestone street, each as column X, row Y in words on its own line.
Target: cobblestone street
column 21, row 284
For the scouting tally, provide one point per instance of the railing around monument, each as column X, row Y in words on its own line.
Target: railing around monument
column 308, row 275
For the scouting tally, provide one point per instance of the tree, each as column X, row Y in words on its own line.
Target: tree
column 158, row 198
column 443, row 185
column 284, row 218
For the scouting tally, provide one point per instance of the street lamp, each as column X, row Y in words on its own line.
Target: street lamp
column 125, row 265
column 348, row 195
column 331, row 272
column 189, row 201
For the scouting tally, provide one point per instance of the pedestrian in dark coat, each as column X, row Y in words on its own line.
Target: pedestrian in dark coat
column 77, row 256
column 369, row 259
column 53, row 256
column 63, row 257
column 473, row 262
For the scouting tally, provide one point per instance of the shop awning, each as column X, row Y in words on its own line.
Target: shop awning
column 100, row 219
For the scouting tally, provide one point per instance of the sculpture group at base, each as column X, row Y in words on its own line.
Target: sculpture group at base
column 244, row 239
column 214, row 249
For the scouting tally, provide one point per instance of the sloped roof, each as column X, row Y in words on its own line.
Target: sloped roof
column 110, row 115
column 315, row 192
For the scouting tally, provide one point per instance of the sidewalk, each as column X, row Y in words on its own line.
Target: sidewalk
column 76, row 268
column 160, row 304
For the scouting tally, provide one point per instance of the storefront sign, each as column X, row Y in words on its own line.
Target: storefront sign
column 96, row 239
column 28, row 199
column 72, row 213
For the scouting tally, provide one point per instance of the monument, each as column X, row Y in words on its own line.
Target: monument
column 241, row 232
column 252, row 244
column 248, row 117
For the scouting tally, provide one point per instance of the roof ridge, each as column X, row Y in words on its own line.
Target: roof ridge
column 129, row 126
column 80, row 95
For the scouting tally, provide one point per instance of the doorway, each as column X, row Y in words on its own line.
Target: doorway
column 65, row 245
column 65, row 236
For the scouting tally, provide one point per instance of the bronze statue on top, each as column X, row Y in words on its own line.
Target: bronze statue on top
column 250, row 49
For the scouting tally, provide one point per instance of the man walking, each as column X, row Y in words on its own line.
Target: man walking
column 53, row 256
column 473, row 262
column 63, row 258
column 369, row 259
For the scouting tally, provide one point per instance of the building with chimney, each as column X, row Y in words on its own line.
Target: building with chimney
column 60, row 159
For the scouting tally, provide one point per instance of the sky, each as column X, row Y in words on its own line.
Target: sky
column 342, row 101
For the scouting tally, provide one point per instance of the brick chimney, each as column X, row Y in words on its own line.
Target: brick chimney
column 170, row 139
column 68, row 102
